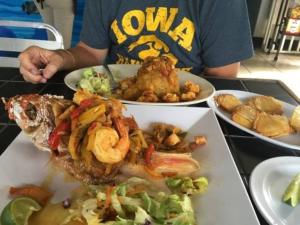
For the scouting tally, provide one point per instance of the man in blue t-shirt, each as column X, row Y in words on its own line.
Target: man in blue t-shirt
column 210, row 36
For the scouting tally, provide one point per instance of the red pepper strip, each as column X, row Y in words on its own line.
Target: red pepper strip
column 92, row 127
column 109, row 190
column 148, row 154
column 55, row 135
column 82, row 106
column 37, row 193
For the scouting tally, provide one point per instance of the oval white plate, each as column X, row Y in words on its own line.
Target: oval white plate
column 123, row 71
column 268, row 182
column 290, row 141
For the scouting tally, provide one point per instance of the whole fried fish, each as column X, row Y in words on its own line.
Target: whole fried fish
column 90, row 138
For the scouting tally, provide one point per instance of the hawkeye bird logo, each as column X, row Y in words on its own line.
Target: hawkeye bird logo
column 155, row 48
column 151, row 20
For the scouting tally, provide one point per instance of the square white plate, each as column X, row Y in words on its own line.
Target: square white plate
column 226, row 202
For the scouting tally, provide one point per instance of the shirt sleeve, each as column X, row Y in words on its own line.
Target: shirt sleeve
column 94, row 32
column 225, row 32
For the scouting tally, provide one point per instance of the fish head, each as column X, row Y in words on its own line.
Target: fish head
column 35, row 115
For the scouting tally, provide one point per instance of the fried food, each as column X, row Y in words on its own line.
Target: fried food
column 157, row 81
column 244, row 115
column 227, row 102
column 148, row 96
column 189, row 86
column 266, row 104
column 295, row 119
column 169, row 97
column 272, row 125
column 157, row 75
column 188, row 96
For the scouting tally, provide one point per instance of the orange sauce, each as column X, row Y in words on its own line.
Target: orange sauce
column 52, row 214
column 56, row 214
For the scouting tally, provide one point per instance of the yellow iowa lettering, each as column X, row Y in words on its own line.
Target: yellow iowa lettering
column 184, row 32
column 161, row 19
column 127, row 22
column 119, row 35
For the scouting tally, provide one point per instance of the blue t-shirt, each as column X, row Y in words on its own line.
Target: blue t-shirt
column 194, row 33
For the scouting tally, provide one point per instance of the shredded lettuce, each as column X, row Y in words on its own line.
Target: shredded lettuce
column 134, row 205
column 95, row 82
column 187, row 185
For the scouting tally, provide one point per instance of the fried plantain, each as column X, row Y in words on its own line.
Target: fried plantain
column 244, row 115
column 272, row 125
column 227, row 102
column 266, row 104
column 295, row 119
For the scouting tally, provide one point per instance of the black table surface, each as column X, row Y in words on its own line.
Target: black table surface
column 247, row 150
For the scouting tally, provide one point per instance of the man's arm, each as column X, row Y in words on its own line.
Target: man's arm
column 83, row 56
column 230, row 70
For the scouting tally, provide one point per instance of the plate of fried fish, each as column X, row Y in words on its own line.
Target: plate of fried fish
column 155, row 82
column 265, row 117
column 142, row 165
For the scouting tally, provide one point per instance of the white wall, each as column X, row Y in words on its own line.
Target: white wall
column 264, row 15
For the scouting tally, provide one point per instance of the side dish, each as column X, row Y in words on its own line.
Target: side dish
column 156, row 81
column 95, row 82
column 263, row 114
column 134, row 201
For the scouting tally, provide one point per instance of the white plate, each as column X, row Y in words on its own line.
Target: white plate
column 290, row 141
column 226, row 202
column 127, row 70
column 268, row 182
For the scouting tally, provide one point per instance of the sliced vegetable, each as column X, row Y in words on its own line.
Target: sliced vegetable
column 75, row 138
column 148, row 154
column 187, row 185
column 291, row 195
column 84, row 104
column 18, row 211
column 91, row 115
column 56, row 134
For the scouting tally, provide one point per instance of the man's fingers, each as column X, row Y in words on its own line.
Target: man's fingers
column 50, row 70
column 31, row 77
column 26, row 63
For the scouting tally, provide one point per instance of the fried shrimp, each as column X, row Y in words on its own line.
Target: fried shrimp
column 109, row 147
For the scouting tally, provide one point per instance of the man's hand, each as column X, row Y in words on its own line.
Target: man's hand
column 33, row 59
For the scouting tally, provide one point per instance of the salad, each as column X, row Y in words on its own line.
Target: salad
column 135, row 201
column 95, row 82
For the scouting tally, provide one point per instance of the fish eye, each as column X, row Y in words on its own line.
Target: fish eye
column 31, row 111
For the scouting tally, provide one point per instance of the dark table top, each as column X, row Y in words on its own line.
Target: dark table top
column 247, row 150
